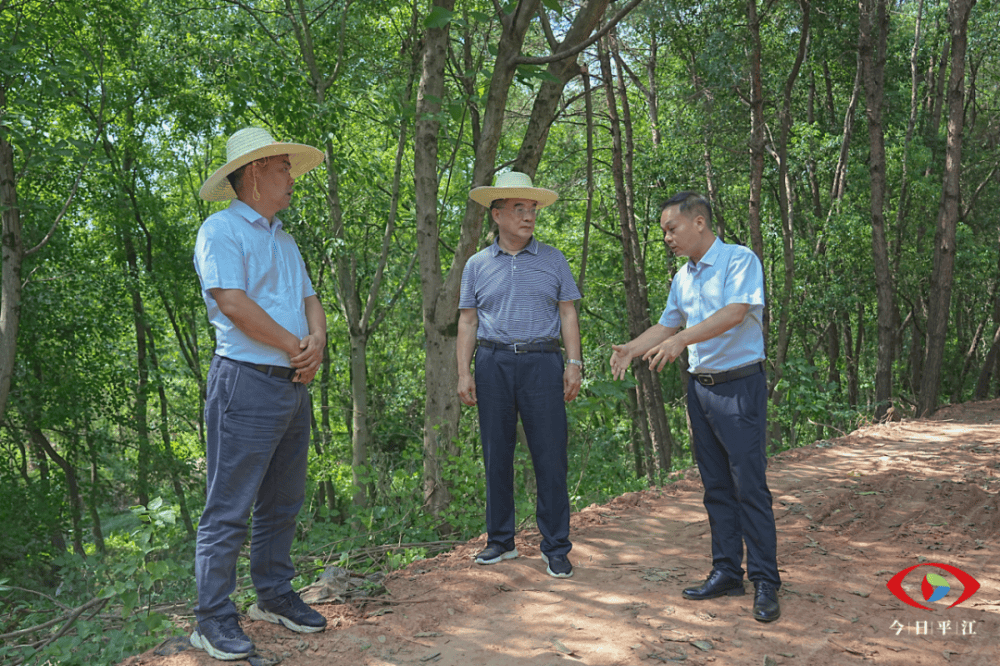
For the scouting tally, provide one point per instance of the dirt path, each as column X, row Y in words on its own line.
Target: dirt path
column 850, row 512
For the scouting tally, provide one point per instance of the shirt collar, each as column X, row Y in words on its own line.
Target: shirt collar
column 532, row 247
column 711, row 256
column 243, row 210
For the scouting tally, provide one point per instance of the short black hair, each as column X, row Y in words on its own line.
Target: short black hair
column 689, row 202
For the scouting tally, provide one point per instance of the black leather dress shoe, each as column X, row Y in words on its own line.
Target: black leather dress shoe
column 717, row 585
column 765, row 602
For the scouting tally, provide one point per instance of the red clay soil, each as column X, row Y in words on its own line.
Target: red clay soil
column 851, row 513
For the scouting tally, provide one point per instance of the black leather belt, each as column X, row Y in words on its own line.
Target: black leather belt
column 274, row 370
column 269, row 370
column 522, row 347
column 711, row 379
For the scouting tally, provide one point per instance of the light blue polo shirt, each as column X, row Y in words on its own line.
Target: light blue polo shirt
column 726, row 274
column 238, row 249
column 517, row 295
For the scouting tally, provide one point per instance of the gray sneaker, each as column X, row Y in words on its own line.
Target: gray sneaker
column 288, row 610
column 223, row 638
column 494, row 554
column 558, row 566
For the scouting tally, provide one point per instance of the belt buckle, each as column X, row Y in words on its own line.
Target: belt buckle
column 706, row 380
column 514, row 345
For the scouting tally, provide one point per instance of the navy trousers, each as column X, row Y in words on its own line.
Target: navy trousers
column 529, row 385
column 729, row 423
column 257, row 427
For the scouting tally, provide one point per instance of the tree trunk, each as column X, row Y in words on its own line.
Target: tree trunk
column 95, row 494
column 785, row 207
column 72, row 487
column 440, row 374
column 948, row 212
column 648, row 390
column 168, row 448
column 10, row 266
column 874, row 29
column 756, row 146
column 139, row 410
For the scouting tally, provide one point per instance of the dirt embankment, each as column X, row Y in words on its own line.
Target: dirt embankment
column 851, row 513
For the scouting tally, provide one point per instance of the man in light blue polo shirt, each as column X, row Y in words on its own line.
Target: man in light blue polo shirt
column 270, row 333
column 517, row 300
column 718, row 298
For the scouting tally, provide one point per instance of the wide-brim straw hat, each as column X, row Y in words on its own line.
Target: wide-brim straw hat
column 253, row 143
column 513, row 185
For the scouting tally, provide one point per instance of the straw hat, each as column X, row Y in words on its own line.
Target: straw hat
column 513, row 185
column 253, row 143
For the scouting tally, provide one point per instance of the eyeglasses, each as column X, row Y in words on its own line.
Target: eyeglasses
column 521, row 211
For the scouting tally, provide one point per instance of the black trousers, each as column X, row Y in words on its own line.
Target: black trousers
column 528, row 385
column 729, row 422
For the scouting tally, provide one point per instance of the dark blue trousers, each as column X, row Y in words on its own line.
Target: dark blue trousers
column 257, row 455
column 529, row 385
column 729, row 423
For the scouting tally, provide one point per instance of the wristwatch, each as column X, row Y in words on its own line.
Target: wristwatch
column 576, row 362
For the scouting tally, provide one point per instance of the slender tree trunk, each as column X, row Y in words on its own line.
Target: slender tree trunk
column 904, row 187
column 95, row 488
column 649, row 393
column 659, row 428
column 982, row 390
column 72, row 487
column 948, row 212
column 787, row 214
column 588, row 219
column 756, row 145
column 140, row 407
column 168, row 448
column 970, row 354
column 440, row 374
column 874, row 26
column 10, row 265
column 851, row 358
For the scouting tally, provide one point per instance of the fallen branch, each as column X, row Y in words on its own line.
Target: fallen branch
column 72, row 615
column 70, row 619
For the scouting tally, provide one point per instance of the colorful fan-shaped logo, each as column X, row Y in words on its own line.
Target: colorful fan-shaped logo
column 934, row 587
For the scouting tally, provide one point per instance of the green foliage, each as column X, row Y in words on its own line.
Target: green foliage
column 122, row 592
column 810, row 405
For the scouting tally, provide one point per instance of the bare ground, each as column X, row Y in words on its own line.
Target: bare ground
column 850, row 513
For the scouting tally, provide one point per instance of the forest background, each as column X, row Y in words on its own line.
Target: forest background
column 854, row 146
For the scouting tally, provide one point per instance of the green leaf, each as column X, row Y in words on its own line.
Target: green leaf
column 438, row 18
column 553, row 5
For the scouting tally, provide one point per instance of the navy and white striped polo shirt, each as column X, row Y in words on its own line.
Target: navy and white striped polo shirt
column 517, row 296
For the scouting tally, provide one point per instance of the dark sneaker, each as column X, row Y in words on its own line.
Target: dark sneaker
column 222, row 638
column 558, row 566
column 290, row 611
column 494, row 554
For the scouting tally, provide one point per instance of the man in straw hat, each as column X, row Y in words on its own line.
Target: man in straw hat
column 517, row 299
column 270, row 335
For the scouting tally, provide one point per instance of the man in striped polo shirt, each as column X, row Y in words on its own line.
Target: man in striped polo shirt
column 517, row 299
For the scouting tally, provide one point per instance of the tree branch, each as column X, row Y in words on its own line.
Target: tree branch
column 544, row 60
